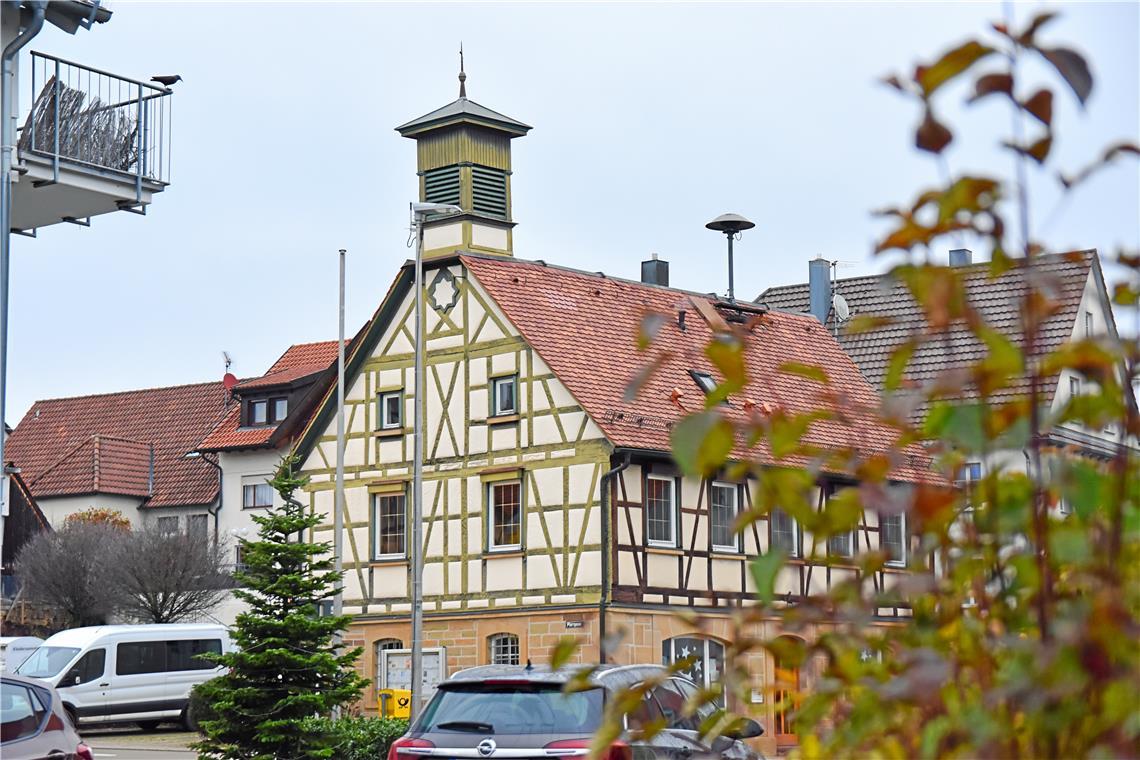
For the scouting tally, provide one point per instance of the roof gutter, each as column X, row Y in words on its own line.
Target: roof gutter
column 607, row 479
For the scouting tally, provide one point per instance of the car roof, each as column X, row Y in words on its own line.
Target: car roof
column 27, row 681
column 82, row 636
column 608, row 675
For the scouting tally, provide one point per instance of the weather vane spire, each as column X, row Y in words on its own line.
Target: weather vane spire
column 462, row 74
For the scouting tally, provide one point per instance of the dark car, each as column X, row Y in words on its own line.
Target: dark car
column 510, row 711
column 34, row 724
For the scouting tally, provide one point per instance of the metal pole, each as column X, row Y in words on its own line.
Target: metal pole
column 338, row 494
column 417, row 486
column 8, row 92
column 731, row 294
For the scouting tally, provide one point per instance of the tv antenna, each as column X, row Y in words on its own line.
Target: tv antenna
column 227, row 359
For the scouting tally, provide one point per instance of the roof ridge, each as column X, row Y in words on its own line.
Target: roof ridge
column 712, row 297
column 1064, row 255
column 126, row 392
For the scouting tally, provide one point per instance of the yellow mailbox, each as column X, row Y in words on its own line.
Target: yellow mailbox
column 395, row 703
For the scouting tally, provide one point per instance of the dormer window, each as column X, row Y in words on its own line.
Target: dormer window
column 267, row 411
column 703, row 380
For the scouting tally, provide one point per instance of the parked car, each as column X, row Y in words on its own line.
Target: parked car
column 510, row 711
column 128, row 673
column 15, row 649
column 34, row 725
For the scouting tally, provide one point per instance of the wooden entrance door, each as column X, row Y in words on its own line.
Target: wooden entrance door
column 785, row 700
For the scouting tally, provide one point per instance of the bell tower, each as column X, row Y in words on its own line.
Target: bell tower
column 463, row 157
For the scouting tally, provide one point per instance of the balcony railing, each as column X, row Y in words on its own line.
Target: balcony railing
column 85, row 116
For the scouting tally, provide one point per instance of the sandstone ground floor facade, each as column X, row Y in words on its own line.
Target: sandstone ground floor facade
column 636, row 635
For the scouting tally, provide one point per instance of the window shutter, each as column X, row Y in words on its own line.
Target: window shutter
column 489, row 191
column 442, row 185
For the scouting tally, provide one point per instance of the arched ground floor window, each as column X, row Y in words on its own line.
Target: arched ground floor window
column 706, row 659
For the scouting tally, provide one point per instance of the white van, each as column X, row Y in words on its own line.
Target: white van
column 128, row 673
column 15, row 649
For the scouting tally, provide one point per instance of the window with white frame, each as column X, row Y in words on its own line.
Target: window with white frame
column 1088, row 324
column 840, row 544
column 705, row 659
column 503, row 649
column 388, row 525
column 968, row 478
column 892, row 538
column 504, row 396
column 256, row 493
column 1074, row 387
column 785, row 533
column 660, row 511
column 724, row 499
column 391, row 410
column 504, row 515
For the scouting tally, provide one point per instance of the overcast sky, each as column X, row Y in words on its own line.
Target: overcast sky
column 649, row 120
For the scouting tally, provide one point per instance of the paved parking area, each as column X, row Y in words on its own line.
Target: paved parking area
column 130, row 743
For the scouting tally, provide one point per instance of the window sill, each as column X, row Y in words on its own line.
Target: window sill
column 259, row 506
column 389, row 433
column 502, row 419
column 503, row 553
column 670, row 550
column 388, row 561
column 721, row 553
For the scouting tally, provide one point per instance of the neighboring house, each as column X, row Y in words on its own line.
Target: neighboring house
column 552, row 505
column 123, row 451
column 259, row 429
column 1073, row 280
column 23, row 522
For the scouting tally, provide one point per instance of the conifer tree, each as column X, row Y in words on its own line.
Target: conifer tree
column 286, row 665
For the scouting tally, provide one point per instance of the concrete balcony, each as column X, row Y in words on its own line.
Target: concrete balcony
column 92, row 143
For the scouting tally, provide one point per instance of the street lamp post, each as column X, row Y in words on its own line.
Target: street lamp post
column 420, row 213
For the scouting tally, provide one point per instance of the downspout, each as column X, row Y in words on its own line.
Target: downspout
column 607, row 478
column 7, row 97
column 221, row 483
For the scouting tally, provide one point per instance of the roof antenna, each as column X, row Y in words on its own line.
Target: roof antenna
column 229, row 361
column 462, row 75
column 731, row 225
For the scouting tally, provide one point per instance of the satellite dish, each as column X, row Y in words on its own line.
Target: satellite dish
column 842, row 310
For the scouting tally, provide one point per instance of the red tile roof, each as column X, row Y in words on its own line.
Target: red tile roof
column 102, row 444
column 298, row 361
column 585, row 326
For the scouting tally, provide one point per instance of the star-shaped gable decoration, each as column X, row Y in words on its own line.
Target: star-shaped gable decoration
column 443, row 293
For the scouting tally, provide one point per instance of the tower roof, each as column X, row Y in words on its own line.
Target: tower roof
column 459, row 111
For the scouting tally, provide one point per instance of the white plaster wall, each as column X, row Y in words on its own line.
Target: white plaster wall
column 57, row 508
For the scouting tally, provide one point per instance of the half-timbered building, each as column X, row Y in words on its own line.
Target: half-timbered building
column 552, row 505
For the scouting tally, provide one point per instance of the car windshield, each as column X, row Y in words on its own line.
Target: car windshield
column 513, row 709
column 47, row 662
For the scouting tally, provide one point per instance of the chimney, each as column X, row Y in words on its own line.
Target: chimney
column 961, row 257
column 819, row 288
column 655, row 271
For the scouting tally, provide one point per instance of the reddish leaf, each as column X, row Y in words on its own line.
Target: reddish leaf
column 951, row 64
column 932, row 136
column 1040, row 20
column 893, row 81
column 989, row 84
column 1038, row 151
column 1041, row 106
column 1073, row 68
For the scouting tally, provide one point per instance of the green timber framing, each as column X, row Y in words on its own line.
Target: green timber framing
column 556, row 516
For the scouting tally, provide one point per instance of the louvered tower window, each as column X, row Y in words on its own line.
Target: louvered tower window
column 489, row 191
column 442, row 185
